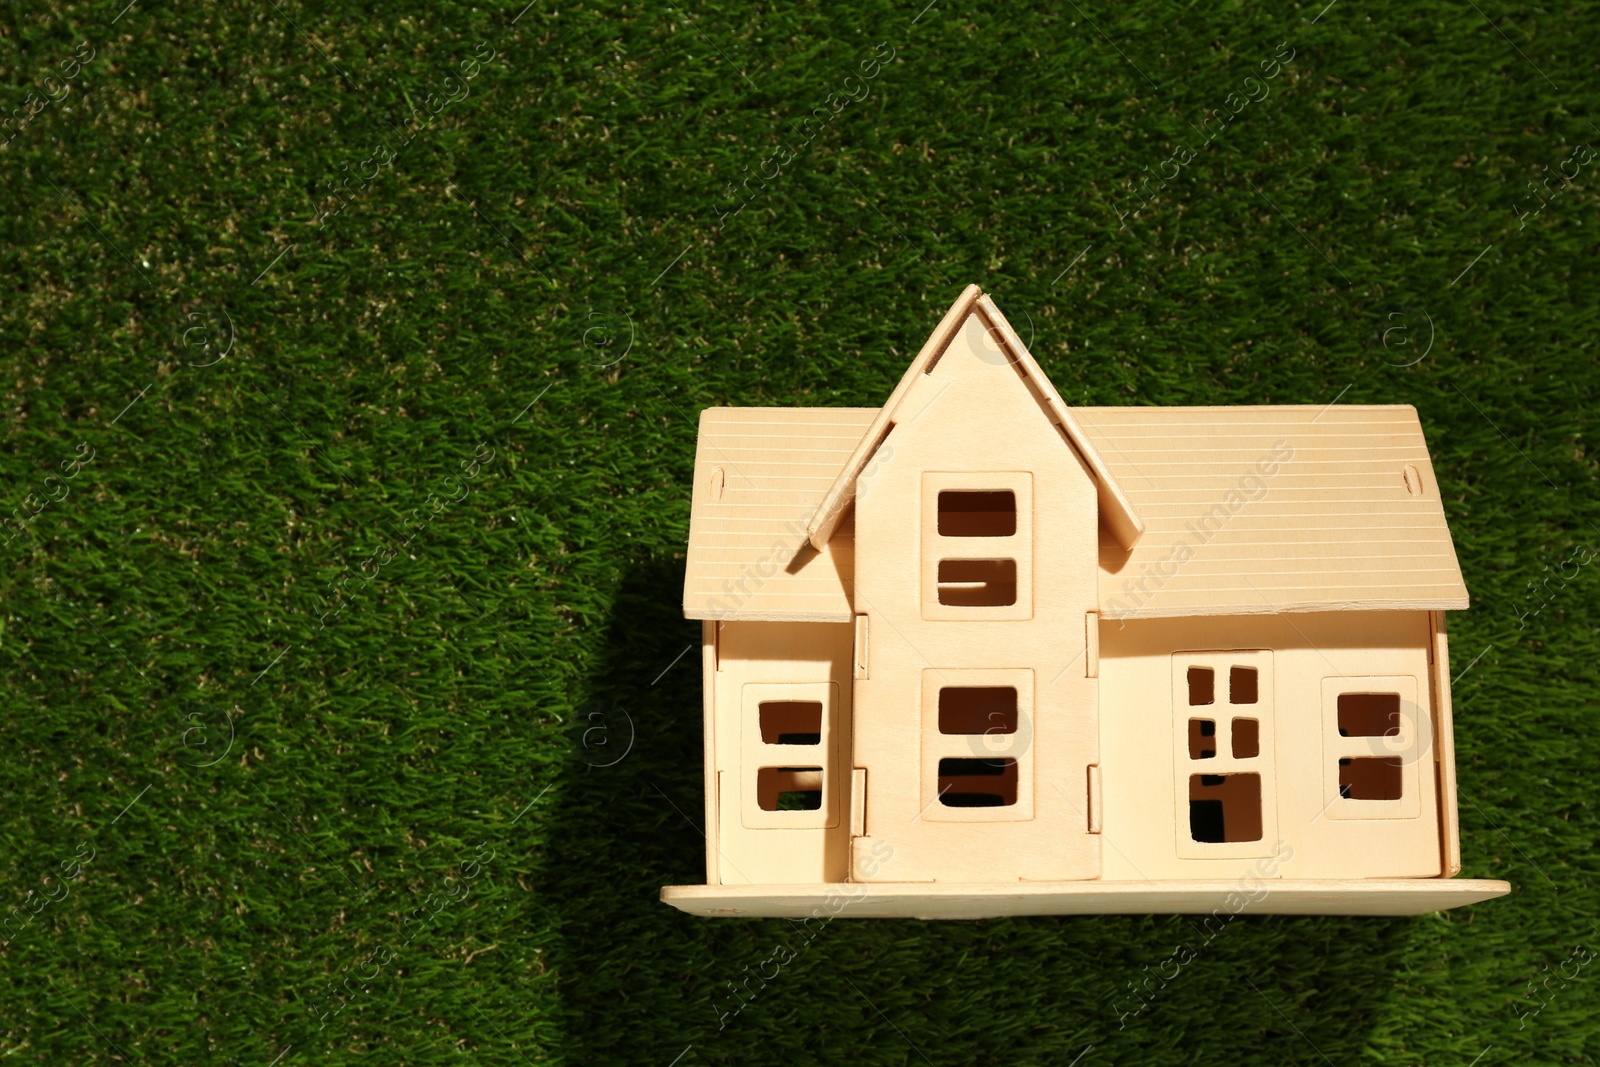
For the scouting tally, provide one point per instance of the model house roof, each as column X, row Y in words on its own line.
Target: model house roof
column 759, row 474
column 1115, row 510
column 1204, row 510
column 1252, row 510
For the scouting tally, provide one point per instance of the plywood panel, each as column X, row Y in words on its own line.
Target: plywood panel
column 780, row 661
column 823, row 524
column 1445, row 753
column 708, row 707
column 1001, row 347
column 1222, row 899
column 1257, row 510
column 1138, row 745
column 975, row 396
column 748, row 555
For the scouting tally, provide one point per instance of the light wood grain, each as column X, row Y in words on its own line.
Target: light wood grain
column 748, row 553
column 975, row 536
column 1259, row 510
column 998, row 346
column 1381, row 896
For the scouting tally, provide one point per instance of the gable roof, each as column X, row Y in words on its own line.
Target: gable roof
column 1243, row 510
column 1334, row 528
column 1266, row 509
column 748, row 552
column 1116, row 511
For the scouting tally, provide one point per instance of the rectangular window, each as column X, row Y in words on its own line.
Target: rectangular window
column 978, row 583
column 1369, row 778
column 1242, row 685
column 978, row 709
column 965, row 782
column 981, row 513
column 977, row 546
column 789, row 788
column 1373, row 737
column 1246, row 738
column 1225, row 808
column 1226, row 804
column 791, row 722
column 977, row 741
column 1369, row 714
column 789, row 758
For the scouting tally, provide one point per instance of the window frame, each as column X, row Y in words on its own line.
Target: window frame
column 1411, row 745
column 937, row 547
column 756, row 753
column 1222, row 711
column 1017, row 745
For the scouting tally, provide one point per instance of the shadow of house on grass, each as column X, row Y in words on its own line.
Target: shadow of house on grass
column 640, row 982
column 627, row 821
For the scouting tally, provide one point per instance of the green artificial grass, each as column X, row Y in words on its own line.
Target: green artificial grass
column 344, row 714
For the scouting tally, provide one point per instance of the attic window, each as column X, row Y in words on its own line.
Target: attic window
column 978, row 583
column 979, row 513
column 976, row 541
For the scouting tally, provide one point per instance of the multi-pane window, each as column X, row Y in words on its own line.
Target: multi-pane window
column 977, row 737
column 788, row 762
column 1226, row 803
column 977, row 545
column 1373, row 735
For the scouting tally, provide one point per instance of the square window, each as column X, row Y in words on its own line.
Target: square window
column 791, row 722
column 977, row 513
column 1225, row 807
column 978, row 710
column 1202, row 738
column 1246, row 738
column 789, row 788
column 1242, row 685
column 978, row 583
column 1369, row 714
column 977, row 783
column 1370, row 778
column 1202, row 682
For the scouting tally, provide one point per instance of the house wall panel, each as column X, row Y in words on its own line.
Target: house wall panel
column 1142, row 810
column 974, row 413
column 760, row 659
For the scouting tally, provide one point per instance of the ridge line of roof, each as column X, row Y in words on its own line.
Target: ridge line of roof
column 831, row 508
column 1116, row 510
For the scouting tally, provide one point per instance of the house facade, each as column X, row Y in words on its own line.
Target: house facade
column 975, row 652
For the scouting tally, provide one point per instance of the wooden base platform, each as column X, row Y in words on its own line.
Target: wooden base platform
column 953, row 900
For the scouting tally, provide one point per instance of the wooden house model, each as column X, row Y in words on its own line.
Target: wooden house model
column 979, row 653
